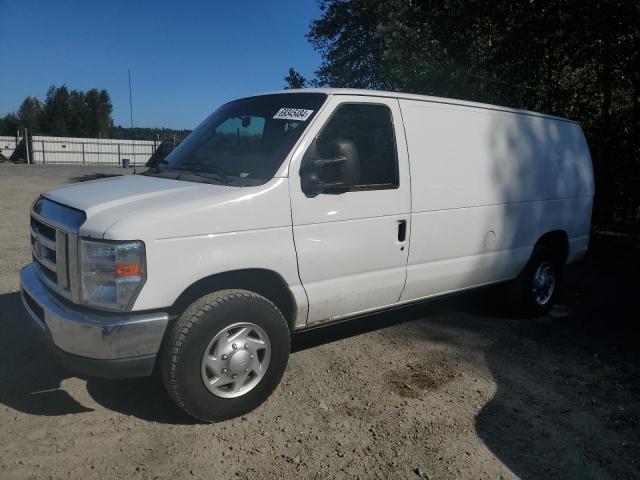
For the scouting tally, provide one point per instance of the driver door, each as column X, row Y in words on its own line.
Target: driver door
column 352, row 244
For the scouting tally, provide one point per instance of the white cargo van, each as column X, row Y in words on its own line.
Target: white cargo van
column 293, row 209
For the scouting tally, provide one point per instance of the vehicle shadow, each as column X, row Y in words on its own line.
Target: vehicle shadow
column 146, row 398
column 567, row 399
column 31, row 378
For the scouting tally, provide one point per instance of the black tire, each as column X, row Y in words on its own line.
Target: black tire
column 184, row 347
column 524, row 297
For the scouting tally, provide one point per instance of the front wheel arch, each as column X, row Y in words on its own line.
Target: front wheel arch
column 266, row 283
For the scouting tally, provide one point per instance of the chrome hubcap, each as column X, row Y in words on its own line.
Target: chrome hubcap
column 544, row 283
column 235, row 360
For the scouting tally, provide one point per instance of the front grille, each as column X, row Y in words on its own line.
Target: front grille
column 54, row 245
column 49, row 252
column 52, row 276
column 44, row 229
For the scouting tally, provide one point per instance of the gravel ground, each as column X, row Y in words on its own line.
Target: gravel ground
column 451, row 389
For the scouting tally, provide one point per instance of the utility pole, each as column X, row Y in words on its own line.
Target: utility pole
column 130, row 101
column 26, row 145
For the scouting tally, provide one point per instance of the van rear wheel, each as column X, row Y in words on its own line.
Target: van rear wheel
column 536, row 289
column 225, row 355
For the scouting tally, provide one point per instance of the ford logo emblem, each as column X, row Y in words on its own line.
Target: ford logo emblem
column 38, row 249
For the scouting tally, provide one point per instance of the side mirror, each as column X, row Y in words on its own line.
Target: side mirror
column 335, row 174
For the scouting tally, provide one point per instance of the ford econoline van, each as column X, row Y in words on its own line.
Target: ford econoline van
column 294, row 209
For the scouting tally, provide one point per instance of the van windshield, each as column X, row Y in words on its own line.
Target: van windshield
column 244, row 142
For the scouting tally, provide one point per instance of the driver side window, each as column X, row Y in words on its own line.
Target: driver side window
column 369, row 129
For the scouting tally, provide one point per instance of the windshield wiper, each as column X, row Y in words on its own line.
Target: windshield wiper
column 166, row 173
column 217, row 172
column 208, row 175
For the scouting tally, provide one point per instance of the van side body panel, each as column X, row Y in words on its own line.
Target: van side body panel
column 486, row 185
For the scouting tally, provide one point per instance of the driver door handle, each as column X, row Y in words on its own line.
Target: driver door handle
column 402, row 230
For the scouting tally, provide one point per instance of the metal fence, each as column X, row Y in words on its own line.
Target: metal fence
column 89, row 151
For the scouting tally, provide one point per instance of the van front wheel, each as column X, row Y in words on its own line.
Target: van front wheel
column 225, row 355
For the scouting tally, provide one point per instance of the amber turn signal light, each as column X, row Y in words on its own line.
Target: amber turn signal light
column 128, row 270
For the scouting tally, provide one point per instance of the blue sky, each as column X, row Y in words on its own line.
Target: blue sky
column 186, row 58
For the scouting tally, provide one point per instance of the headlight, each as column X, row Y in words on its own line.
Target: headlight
column 111, row 273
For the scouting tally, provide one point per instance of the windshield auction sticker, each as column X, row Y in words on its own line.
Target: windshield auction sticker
column 299, row 114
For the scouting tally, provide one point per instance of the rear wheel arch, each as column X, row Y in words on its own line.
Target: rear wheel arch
column 557, row 242
column 266, row 283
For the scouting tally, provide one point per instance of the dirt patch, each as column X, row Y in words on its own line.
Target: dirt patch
column 416, row 379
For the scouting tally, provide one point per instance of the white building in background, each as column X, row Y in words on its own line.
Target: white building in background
column 89, row 151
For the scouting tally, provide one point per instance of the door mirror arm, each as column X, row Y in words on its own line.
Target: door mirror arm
column 343, row 170
column 328, row 162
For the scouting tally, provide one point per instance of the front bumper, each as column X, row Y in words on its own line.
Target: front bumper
column 90, row 342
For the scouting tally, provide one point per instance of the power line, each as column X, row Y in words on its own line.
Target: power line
column 130, row 101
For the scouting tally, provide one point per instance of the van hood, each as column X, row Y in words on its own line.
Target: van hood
column 132, row 207
column 98, row 195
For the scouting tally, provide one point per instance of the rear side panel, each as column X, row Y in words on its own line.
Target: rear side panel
column 485, row 186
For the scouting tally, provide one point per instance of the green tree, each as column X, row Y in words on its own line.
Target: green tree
column 294, row 80
column 92, row 100
column 68, row 113
column 350, row 46
column 105, row 109
column 98, row 113
column 9, row 124
column 78, row 121
column 56, row 111
column 569, row 57
column 30, row 114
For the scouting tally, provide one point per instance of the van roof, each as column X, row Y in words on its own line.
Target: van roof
column 423, row 98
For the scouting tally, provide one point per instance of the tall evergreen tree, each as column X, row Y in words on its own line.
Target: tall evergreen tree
column 30, row 114
column 64, row 113
column 294, row 80
column 78, row 115
column 105, row 110
column 9, row 124
column 56, row 111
